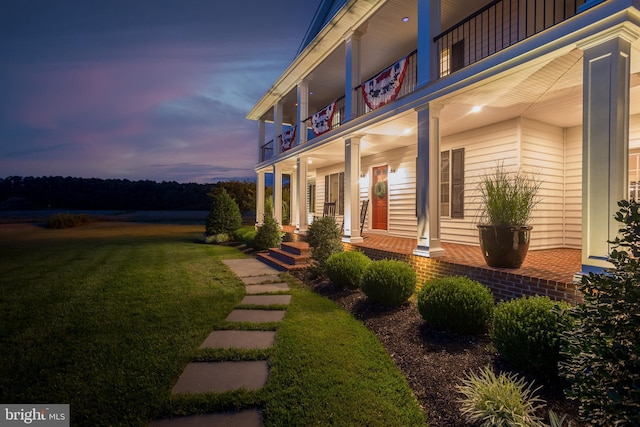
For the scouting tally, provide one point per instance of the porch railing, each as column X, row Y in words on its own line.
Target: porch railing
column 266, row 151
column 498, row 25
column 408, row 84
column 337, row 120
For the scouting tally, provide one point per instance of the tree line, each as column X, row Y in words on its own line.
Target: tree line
column 56, row 192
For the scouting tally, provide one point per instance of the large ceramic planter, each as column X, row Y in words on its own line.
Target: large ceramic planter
column 504, row 246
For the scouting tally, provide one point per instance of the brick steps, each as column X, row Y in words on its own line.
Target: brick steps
column 289, row 256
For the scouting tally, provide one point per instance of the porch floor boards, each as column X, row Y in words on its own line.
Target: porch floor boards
column 558, row 265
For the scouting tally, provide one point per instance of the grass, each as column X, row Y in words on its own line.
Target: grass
column 106, row 316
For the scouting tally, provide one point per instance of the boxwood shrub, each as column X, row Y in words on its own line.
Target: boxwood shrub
column 388, row 282
column 526, row 332
column 345, row 269
column 457, row 304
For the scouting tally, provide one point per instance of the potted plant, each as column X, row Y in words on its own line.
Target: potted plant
column 507, row 202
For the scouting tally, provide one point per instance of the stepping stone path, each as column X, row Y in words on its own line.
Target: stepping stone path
column 218, row 377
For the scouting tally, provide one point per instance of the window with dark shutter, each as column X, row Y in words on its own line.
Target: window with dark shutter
column 457, row 183
column 457, row 56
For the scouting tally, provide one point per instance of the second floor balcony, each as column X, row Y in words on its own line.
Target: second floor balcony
column 495, row 26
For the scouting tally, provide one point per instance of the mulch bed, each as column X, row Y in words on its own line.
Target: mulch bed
column 432, row 361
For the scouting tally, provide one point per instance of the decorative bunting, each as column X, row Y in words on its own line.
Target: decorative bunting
column 321, row 121
column 384, row 87
column 288, row 139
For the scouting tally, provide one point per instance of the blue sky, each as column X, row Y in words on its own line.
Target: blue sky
column 140, row 89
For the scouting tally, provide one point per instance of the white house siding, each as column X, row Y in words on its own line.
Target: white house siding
column 543, row 155
column 634, row 131
column 320, row 187
column 402, row 188
column 483, row 147
column 573, row 188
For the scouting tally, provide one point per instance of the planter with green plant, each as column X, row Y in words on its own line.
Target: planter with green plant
column 507, row 201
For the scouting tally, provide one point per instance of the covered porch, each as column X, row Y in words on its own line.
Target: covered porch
column 548, row 272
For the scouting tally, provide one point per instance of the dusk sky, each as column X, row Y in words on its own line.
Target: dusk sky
column 140, row 89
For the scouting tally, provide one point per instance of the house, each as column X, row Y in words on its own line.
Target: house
column 406, row 103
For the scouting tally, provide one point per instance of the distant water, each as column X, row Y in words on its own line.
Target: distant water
column 192, row 217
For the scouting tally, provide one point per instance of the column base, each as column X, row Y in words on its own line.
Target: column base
column 354, row 239
column 427, row 252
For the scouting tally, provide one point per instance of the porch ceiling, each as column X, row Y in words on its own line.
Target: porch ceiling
column 549, row 91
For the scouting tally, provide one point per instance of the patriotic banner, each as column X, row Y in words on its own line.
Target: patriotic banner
column 288, row 139
column 384, row 87
column 321, row 121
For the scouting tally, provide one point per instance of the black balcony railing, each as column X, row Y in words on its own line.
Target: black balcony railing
column 498, row 25
column 266, row 151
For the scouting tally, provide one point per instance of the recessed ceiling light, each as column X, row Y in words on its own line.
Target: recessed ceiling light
column 476, row 109
column 405, row 19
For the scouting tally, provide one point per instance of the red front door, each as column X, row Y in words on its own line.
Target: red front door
column 380, row 197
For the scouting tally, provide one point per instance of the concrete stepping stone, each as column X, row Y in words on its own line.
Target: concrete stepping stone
column 256, row 280
column 266, row 299
column 263, row 289
column 246, row 418
column 249, row 267
column 219, row 377
column 239, row 339
column 255, row 316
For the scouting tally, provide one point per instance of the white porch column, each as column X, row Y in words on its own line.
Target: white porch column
column 261, row 136
column 428, row 28
column 293, row 197
column 277, row 193
column 352, row 189
column 301, row 170
column 260, row 199
column 277, row 121
column 605, row 142
column 352, row 74
column 303, row 111
column 428, row 182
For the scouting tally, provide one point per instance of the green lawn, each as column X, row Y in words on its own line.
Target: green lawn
column 105, row 317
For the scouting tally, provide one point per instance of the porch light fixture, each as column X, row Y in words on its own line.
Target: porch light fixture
column 405, row 19
column 476, row 108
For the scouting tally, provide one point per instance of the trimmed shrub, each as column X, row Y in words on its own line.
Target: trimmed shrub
column 602, row 351
column 244, row 235
column 224, row 216
column 457, row 304
column 388, row 282
column 268, row 235
column 503, row 400
column 345, row 269
column 526, row 332
column 324, row 236
column 68, row 220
